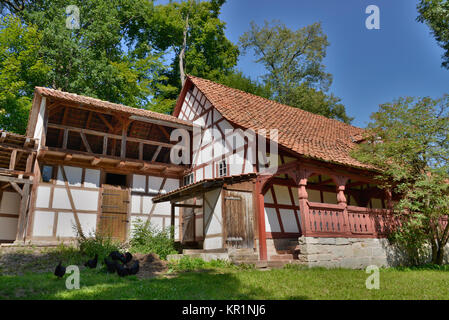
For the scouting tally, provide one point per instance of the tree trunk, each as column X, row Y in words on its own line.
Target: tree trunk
column 437, row 254
column 182, row 53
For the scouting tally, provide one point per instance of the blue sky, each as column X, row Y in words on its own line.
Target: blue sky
column 369, row 67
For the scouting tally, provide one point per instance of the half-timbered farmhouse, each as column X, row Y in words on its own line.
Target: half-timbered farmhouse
column 87, row 165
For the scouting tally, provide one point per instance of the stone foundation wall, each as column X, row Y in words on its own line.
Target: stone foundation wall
column 354, row 253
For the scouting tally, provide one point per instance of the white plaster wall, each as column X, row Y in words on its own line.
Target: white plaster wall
column 66, row 223
column 43, row 224
column 213, row 219
column 43, row 197
column 85, row 199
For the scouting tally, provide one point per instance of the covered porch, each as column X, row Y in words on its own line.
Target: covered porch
column 304, row 201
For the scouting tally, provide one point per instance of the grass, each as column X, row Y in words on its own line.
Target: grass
column 235, row 283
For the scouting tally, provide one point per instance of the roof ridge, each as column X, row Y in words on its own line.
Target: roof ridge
column 276, row 102
column 41, row 90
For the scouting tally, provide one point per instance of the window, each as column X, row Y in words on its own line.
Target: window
column 188, row 179
column 116, row 179
column 222, row 168
column 47, row 173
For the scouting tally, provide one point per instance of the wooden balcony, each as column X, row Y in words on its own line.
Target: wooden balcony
column 331, row 220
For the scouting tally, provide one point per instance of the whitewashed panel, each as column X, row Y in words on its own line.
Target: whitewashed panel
column 43, row 224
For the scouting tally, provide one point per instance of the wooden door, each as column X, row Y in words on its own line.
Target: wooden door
column 114, row 212
column 188, row 225
column 238, row 209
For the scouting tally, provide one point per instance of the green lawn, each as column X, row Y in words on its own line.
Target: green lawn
column 230, row 283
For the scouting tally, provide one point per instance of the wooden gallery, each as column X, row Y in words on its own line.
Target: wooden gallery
column 87, row 166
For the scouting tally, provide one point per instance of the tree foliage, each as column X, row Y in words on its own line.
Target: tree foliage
column 435, row 13
column 238, row 80
column 208, row 53
column 21, row 69
column 408, row 140
column 294, row 63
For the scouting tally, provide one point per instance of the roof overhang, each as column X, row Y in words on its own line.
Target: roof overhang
column 200, row 187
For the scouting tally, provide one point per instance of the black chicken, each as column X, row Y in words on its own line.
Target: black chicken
column 60, row 270
column 134, row 268
column 92, row 263
column 128, row 257
column 110, row 265
column 121, row 270
column 115, row 255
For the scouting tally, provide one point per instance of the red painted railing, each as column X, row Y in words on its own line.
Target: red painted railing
column 331, row 220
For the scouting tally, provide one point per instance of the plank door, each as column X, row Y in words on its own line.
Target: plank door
column 188, row 225
column 114, row 213
column 238, row 211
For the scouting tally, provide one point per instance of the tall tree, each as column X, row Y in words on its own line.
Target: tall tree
column 95, row 57
column 435, row 13
column 239, row 81
column 192, row 35
column 293, row 60
column 408, row 140
column 21, row 68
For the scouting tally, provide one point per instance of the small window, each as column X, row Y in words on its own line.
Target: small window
column 188, row 179
column 222, row 168
column 115, row 179
column 47, row 173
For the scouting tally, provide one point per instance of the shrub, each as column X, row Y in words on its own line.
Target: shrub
column 97, row 243
column 412, row 240
column 151, row 239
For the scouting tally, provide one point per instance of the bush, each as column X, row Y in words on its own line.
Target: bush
column 97, row 243
column 149, row 239
column 411, row 238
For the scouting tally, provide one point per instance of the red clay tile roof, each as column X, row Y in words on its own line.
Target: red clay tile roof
column 105, row 105
column 305, row 133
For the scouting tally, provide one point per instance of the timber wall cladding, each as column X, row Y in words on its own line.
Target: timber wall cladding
column 60, row 206
column 216, row 143
column 143, row 189
column 9, row 214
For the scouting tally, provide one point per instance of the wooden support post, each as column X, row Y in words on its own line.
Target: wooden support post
column 140, row 151
column 158, row 150
column 172, row 222
column 123, row 144
column 12, row 160
column 261, row 221
column 300, row 176
column 23, row 213
column 65, row 138
column 17, row 188
column 85, row 142
column 105, row 145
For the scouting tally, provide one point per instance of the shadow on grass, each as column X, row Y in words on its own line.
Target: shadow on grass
column 204, row 285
